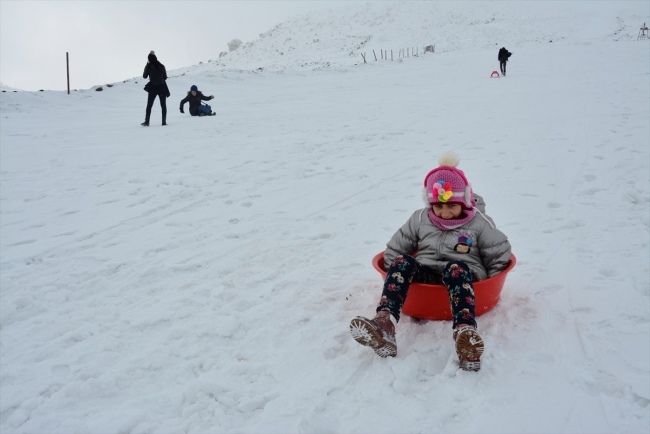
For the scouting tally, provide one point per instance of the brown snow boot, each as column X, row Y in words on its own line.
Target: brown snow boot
column 469, row 347
column 377, row 333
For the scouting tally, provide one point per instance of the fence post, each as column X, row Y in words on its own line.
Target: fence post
column 373, row 52
column 391, row 54
column 67, row 70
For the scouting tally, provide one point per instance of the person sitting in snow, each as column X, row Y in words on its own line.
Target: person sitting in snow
column 444, row 243
column 503, row 57
column 194, row 97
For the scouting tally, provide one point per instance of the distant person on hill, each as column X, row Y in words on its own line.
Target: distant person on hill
column 503, row 58
column 157, row 86
column 194, row 97
column 449, row 242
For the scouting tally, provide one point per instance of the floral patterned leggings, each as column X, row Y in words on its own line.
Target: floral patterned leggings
column 456, row 276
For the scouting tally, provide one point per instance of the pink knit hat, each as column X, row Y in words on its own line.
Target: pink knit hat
column 446, row 184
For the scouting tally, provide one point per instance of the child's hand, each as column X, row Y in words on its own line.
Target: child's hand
column 211, row 96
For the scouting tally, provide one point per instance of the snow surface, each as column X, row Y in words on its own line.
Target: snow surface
column 201, row 277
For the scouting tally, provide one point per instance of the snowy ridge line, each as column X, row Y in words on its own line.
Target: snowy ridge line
column 323, row 39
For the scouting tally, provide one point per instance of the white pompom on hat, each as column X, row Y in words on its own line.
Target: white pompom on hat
column 447, row 184
column 449, row 159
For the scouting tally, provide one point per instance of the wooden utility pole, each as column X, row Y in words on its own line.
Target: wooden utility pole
column 67, row 69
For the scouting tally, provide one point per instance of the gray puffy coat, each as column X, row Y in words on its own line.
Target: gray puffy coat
column 488, row 255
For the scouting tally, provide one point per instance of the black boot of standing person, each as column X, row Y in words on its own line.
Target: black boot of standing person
column 157, row 87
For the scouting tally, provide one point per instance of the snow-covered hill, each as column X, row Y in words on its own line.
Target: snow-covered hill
column 200, row 277
column 336, row 37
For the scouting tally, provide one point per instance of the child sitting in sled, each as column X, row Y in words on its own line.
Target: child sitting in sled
column 456, row 244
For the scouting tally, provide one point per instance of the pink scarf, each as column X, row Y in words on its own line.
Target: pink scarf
column 447, row 225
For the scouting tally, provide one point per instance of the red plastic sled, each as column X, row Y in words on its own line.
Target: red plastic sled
column 493, row 73
column 432, row 301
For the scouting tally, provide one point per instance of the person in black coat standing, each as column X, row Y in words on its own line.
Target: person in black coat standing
column 194, row 98
column 157, row 86
column 503, row 58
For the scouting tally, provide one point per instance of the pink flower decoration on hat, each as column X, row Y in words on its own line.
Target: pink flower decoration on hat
column 442, row 189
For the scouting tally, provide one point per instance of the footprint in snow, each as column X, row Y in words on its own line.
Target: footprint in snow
column 548, row 289
column 36, row 226
column 608, row 272
column 575, row 224
column 20, row 243
column 60, row 369
column 591, row 191
column 65, row 234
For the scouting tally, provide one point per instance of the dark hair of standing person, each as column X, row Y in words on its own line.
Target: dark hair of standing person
column 153, row 60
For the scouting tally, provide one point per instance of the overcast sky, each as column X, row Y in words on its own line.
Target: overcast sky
column 108, row 41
